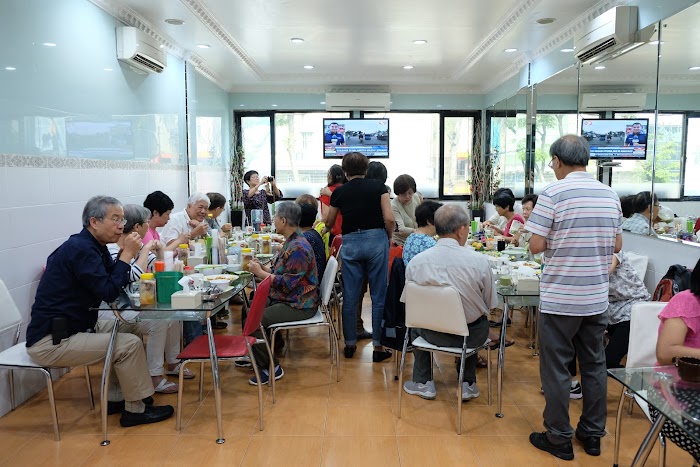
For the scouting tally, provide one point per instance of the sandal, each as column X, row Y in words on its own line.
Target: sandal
column 494, row 344
column 166, row 387
column 187, row 374
column 481, row 362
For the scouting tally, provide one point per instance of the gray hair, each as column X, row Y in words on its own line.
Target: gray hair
column 135, row 214
column 571, row 150
column 97, row 207
column 196, row 198
column 290, row 211
column 449, row 218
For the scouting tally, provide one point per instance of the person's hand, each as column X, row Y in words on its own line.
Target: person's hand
column 151, row 246
column 255, row 267
column 487, row 223
column 226, row 228
column 193, row 223
column 201, row 229
column 263, row 180
column 325, row 191
column 183, row 238
column 132, row 244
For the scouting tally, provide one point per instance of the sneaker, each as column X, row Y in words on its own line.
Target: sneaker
column 563, row 451
column 424, row 390
column 576, row 391
column 591, row 444
column 265, row 376
column 243, row 363
column 469, row 391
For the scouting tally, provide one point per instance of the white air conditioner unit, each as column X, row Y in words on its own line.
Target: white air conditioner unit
column 613, row 101
column 139, row 50
column 610, row 35
column 366, row 101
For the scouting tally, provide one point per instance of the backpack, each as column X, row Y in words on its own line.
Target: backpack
column 677, row 279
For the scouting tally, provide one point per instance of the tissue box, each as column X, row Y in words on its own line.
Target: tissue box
column 195, row 260
column 526, row 284
column 186, row 300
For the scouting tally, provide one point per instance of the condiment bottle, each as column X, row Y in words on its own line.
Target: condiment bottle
column 265, row 248
column 183, row 252
column 255, row 243
column 246, row 258
column 147, row 289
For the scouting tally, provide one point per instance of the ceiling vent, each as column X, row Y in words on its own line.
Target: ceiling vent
column 610, row 35
column 626, row 101
column 139, row 50
column 367, row 101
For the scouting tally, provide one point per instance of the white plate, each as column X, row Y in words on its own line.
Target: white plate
column 228, row 277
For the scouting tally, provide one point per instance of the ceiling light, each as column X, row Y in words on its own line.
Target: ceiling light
column 308, row 67
column 274, row 105
column 567, row 50
column 204, row 46
column 108, row 69
column 420, row 42
column 322, row 102
column 10, row 68
column 694, row 68
column 408, row 67
column 600, row 67
column 510, row 50
column 297, row 40
column 175, row 21
column 49, row 44
column 241, row 105
column 162, row 45
column 545, row 20
column 439, row 106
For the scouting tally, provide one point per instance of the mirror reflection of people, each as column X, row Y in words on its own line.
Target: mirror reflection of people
column 216, row 207
column 333, row 136
column 645, row 207
column 636, row 138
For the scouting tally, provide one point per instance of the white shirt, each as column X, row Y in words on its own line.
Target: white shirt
column 178, row 224
column 448, row 263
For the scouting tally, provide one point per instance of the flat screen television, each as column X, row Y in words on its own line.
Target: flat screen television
column 100, row 139
column 616, row 138
column 370, row 136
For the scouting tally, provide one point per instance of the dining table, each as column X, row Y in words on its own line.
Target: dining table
column 129, row 311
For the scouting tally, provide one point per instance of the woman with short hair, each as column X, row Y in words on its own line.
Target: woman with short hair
column 404, row 207
column 217, row 204
column 504, row 203
column 645, row 208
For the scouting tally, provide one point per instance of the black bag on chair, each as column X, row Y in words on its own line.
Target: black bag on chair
column 394, row 320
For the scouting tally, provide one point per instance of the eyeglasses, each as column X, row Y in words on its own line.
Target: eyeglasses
column 551, row 163
column 116, row 220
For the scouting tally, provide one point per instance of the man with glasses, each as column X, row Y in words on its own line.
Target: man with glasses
column 63, row 331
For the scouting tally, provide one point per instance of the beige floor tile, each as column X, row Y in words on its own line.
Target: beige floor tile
column 236, row 421
column 284, row 450
column 198, row 450
column 362, row 394
column 45, row 451
column 481, row 421
column 297, row 395
column 360, row 421
column 498, row 451
column 437, row 450
column 293, row 421
column 432, row 419
column 132, row 450
column 352, row 451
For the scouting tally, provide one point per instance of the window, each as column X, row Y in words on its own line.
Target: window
column 255, row 136
column 635, row 176
column 414, row 149
column 507, row 147
column 458, row 147
column 692, row 158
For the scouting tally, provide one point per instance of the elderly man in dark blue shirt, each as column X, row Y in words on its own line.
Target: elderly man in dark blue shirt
column 64, row 331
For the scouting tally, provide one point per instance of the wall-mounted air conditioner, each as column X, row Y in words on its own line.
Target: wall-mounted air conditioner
column 614, row 101
column 610, row 35
column 367, row 101
column 139, row 50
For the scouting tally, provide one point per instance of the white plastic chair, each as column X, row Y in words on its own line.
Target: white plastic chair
column 439, row 308
column 321, row 318
column 639, row 263
column 644, row 328
column 17, row 358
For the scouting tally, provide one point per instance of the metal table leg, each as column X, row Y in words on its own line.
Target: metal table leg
column 536, row 327
column 217, row 387
column 501, row 354
column 106, row 371
column 645, row 449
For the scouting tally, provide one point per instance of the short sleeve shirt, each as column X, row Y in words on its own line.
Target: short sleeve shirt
column 686, row 306
column 580, row 218
column 416, row 243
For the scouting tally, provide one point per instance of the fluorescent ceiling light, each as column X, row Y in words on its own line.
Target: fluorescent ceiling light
column 420, row 42
column 408, row 67
column 10, row 68
column 308, row 67
column 203, row 46
column 567, row 50
column 510, row 50
column 49, row 44
column 297, row 40
column 694, row 68
column 600, row 67
column 175, row 21
column 323, row 102
column 274, row 105
column 107, row 69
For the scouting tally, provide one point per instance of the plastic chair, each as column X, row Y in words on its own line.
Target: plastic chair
column 439, row 308
column 322, row 317
column 231, row 349
column 17, row 358
column 394, row 252
column 644, row 330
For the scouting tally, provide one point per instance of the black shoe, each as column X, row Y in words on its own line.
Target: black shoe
column 279, row 343
column 364, row 334
column 219, row 325
column 497, row 324
column 118, row 407
column 591, row 444
column 349, row 350
column 380, row 355
column 152, row 414
column 563, row 451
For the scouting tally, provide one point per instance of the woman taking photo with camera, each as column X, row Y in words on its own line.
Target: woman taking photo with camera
column 259, row 193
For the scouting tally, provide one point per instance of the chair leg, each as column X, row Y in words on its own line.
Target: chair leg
column 631, row 406
column 488, row 370
column 201, row 381
column 89, row 388
column 271, row 369
column 618, row 427
column 403, row 361
column 12, row 389
column 459, row 387
column 662, row 450
column 257, row 378
column 180, row 390
column 52, row 403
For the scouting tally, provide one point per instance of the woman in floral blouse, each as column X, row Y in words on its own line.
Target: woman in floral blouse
column 294, row 291
column 256, row 197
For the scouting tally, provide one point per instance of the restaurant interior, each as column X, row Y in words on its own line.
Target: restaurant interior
column 252, row 85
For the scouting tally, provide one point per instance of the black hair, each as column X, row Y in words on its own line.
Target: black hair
column 336, row 174
column 529, row 199
column 425, row 212
column 627, row 205
column 504, row 200
column 216, row 200
column 377, row 171
column 695, row 280
column 643, row 200
column 248, row 174
column 504, row 190
column 355, row 163
column 308, row 214
column 158, row 202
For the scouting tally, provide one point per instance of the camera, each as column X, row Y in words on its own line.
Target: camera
column 270, row 178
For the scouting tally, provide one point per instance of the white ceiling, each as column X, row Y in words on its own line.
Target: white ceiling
column 364, row 43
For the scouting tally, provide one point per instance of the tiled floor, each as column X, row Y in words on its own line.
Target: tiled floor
column 317, row 421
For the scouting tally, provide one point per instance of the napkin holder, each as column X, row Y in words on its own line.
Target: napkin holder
column 186, row 300
column 195, row 260
column 528, row 284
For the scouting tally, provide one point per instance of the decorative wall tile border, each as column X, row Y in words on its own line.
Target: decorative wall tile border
column 37, row 162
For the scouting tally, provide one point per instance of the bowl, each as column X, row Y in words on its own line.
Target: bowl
column 688, row 368
column 220, row 283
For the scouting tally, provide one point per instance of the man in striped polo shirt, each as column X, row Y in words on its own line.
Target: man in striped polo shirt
column 576, row 224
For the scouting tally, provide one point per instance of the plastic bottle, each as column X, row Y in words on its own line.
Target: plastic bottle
column 147, row 289
column 265, row 245
column 183, row 252
column 246, row 258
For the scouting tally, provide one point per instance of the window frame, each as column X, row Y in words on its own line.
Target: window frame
column 476, row 115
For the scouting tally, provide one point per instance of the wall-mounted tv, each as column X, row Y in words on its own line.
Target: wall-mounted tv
column 370, row 136
column 616, row 138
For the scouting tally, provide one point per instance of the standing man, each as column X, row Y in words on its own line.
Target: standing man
column 576, row 223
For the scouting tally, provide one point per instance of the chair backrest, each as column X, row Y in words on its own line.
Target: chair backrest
column 255, row 314
column 335, row 245
column 328, row 280
column 644, row 332
column 638, row 263
column 10, row 316
column 434, row 307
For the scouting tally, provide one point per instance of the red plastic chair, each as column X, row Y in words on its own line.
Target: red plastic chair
column 394, row 252
column 335, row 244
column 231, row 348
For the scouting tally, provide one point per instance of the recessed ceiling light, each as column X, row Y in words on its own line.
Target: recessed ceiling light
column 322, row 102
column 175, row 21
column 510, row 50
column 420, row 42
column 439, row 106
column 694, row 68
column 408, row 67
column 162, row 46
column 108, row 69
column 308, row 67
column 10, row 68
column 567, row 50
column 600, row 67
column 204, row 46
column 241, row 105
column 546, row 20
column 297, row 40
column 274, row 105
column 49, row 44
